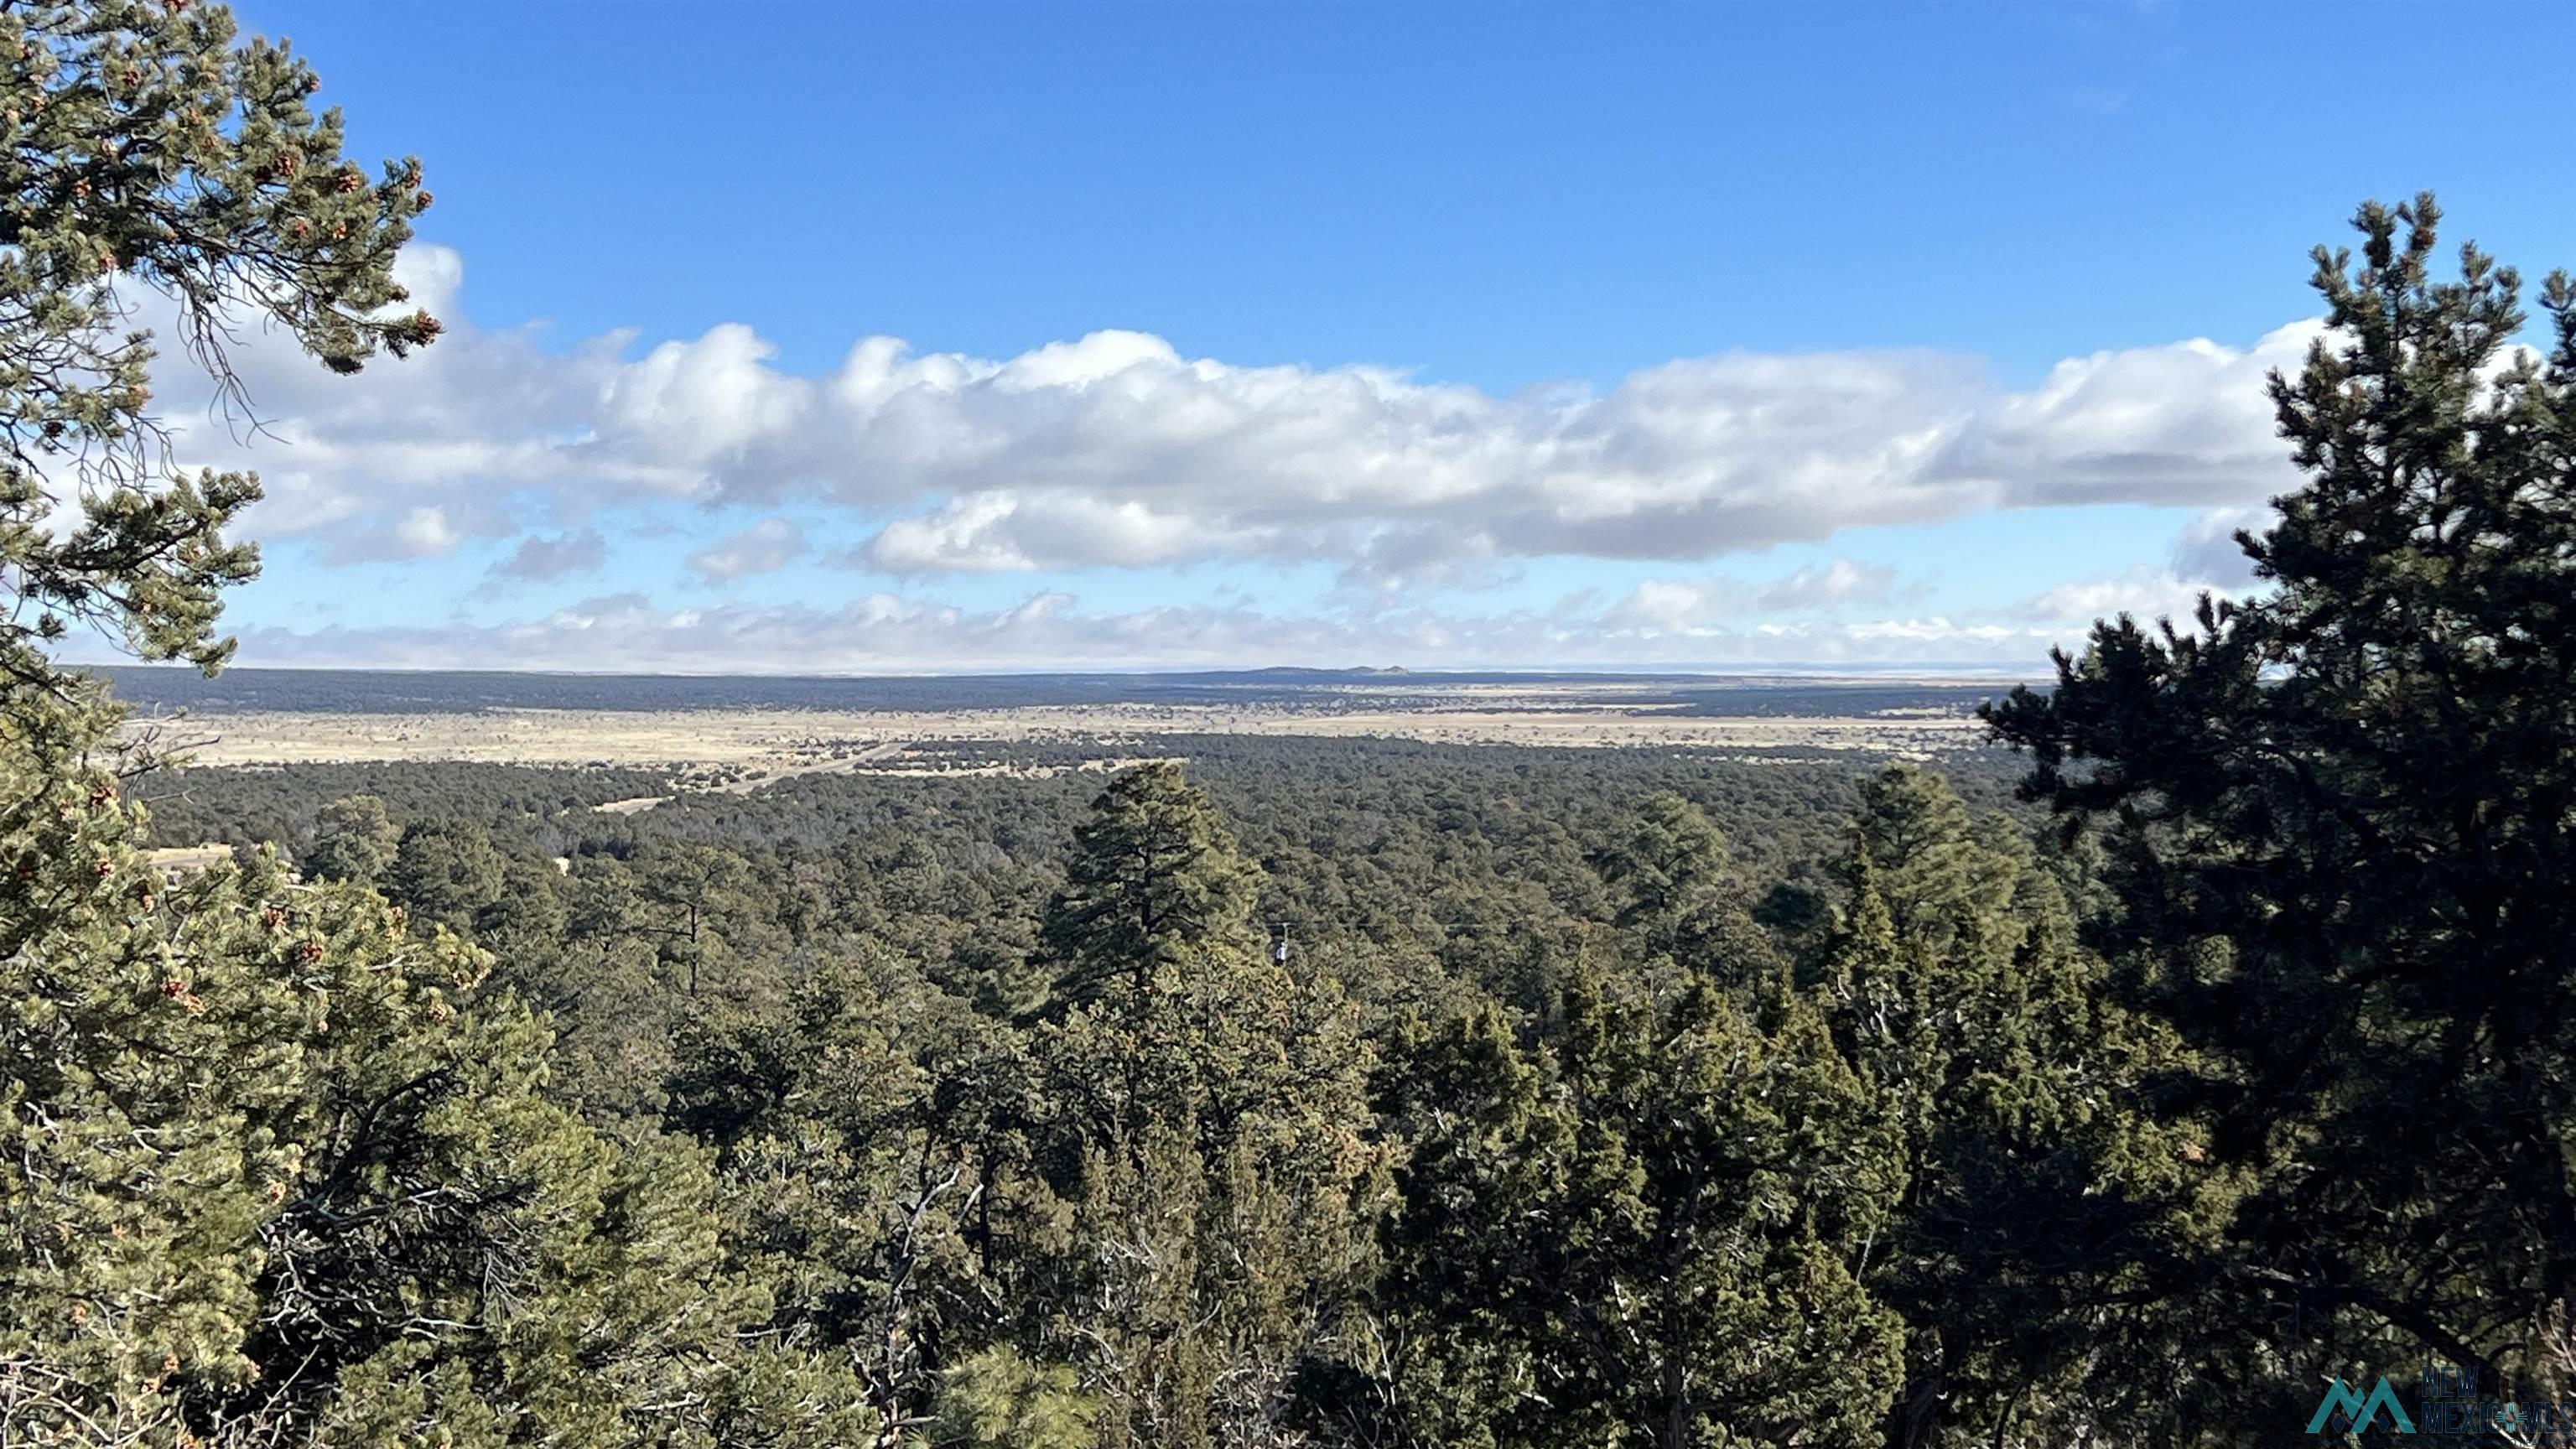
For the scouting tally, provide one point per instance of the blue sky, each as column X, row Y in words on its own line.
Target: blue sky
column 1438, row 334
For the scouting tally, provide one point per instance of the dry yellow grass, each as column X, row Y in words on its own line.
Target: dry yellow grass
column 760, row 746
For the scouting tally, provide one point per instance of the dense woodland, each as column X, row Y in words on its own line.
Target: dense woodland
column 2212, row 1039
column 1395, row 868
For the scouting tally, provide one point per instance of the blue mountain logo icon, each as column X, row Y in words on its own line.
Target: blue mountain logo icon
column 2345, row 1409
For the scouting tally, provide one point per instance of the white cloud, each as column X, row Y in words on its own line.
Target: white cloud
column 2188, row 422
column 1715, row 604
column 427, row 531
column 2143, row 593
column 2208, row 548
column 765, row 547
column 1116, row 450
column 1840, row 582
column 881, row 632
column 539, row 557
column 701, row 405
column 987, row 532
column 1913, row 634
column 1678, row 606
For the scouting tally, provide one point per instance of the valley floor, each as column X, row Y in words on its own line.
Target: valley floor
column 749, row 747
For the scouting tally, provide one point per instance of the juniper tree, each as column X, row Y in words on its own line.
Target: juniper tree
column 856, row 1127
column 1649, row 1235
column 353, row 840
column 2036, row 1187
column 1679, row 899
column 445, row 872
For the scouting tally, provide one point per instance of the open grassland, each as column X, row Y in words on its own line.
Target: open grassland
column 744, row 748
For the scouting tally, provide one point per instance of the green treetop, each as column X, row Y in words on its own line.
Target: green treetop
column 353, row 840
column 1650, row 1235
column 1205, row 1125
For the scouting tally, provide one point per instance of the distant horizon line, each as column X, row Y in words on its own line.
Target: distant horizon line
column 1963, row 672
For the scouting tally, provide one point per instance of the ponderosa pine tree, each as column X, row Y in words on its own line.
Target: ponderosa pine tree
column 147, row 150
column 278, row 1170
column 2343, row 812
column 143, row 146
column 1205, row 1127
column 1154, row 882
column 281, row 1171
column 1940, row 871
column 699, row 905
column 997, row 1400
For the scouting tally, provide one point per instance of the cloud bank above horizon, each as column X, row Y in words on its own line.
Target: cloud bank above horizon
column 1109, row 501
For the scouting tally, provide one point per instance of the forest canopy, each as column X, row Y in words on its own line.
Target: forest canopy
column 2125, row 1089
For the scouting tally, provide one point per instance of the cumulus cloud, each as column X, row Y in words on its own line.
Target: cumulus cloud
column 1839, row 582
column 2184, row 423
column 1714, row 604
column 539, row 557
column 1117, row 450
column 2142, row 593
column 765, row 547
column 427, row 531
column 1679, row 606
column 2208, row 548
column 879, row 633
column 986, row 532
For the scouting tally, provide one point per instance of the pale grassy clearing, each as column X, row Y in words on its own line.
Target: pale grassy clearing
column 741, row 750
